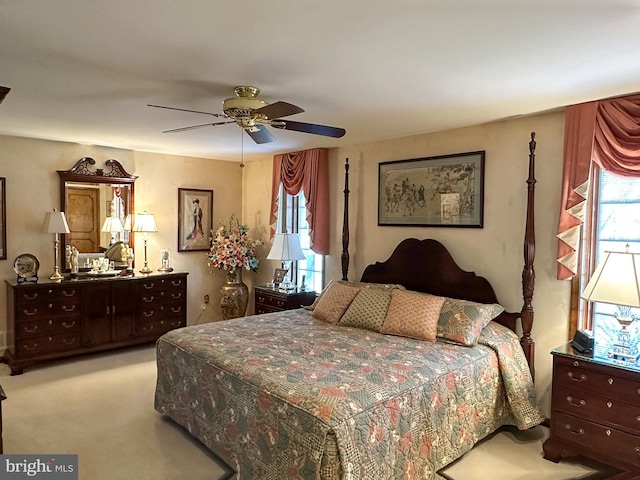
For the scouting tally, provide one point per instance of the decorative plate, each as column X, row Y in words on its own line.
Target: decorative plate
column 26, row 265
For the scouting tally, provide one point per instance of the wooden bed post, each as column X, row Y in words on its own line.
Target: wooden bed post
column 528, row 273
column 345, row 224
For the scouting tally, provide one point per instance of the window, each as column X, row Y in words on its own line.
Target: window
column 292, row 216
column 616, row 221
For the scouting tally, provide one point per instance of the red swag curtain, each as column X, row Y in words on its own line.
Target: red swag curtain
column 608, row 133
column 306, row 171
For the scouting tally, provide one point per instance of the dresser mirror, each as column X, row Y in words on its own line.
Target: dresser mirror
column 88, row 197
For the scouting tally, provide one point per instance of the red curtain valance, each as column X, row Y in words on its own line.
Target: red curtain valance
column 306, row 171
column 608, row 133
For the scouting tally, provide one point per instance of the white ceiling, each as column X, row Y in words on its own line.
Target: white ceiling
column 85, row 70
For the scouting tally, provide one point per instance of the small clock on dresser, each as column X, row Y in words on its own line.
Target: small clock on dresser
column 595, row 409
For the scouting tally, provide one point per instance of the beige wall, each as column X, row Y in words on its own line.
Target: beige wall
column 495, row 251
column 30, row 166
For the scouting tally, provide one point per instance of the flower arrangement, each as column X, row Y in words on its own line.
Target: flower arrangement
column 232, row 248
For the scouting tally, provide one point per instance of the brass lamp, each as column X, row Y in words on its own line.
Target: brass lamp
column 145, row 223
column 55, row 222
column 616, row 281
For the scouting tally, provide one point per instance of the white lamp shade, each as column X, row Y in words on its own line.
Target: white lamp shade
column 56, row 222
column 615, row 280
column 112, row 224
column 286, row 247
column 128, row 222
column 145, row 222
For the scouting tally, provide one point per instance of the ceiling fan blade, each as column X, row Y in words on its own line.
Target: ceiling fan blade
column 3, row 93
column 185, row 110
column 324, row 130
column 260, row 134
column 278, row 110
column 193, row 127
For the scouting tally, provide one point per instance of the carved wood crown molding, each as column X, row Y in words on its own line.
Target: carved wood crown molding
column 116, row 170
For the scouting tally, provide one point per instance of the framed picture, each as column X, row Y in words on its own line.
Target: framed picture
column 3, row 219
column 195, row 214
column 278, row 275
column 442, row 191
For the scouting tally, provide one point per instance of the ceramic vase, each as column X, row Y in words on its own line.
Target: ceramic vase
column 234, row 296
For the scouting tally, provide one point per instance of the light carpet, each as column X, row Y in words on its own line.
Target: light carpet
column 101, row 408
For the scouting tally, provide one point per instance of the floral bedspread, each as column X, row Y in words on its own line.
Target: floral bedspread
column 284, row 396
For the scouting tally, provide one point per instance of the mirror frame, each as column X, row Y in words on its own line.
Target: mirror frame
column 82, row 173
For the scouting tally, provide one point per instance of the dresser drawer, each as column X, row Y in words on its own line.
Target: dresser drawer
column 164, row 296
column 41, row 311
column 602, row 409
column 592, row 436
column 267, row 300
column 158, row 284
column 48, row 327
column 586, row 376
column 32, row 295
column 49, row 344
column 158, row 327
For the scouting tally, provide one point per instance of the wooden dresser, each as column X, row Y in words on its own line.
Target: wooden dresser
column 595, row 410
column 268, row 299
column 49, row 320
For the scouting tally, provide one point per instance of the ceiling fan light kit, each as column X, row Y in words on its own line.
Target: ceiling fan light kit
column 252, row 114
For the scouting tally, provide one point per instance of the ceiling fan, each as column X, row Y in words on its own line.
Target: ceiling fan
column 252, row 114
column 3, row 92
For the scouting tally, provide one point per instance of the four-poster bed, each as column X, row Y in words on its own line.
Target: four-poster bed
column 287, row 395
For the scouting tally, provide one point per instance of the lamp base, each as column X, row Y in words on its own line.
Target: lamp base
column 55, row 276
column 145, row 270
column 623, row 352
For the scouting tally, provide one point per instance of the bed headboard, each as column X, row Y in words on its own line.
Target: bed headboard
column 427, row 266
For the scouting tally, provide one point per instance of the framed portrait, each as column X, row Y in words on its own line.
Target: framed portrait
column 442, row 191
column 195, row 215
column 3, row 218
column 279, row 274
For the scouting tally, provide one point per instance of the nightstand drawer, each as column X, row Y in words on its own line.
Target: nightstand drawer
column 598, row 408
column 593, row 436
column 268, row 300
column 595, row 378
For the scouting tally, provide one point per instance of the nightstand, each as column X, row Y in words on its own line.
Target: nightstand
column 595, row 409
column 269, row 299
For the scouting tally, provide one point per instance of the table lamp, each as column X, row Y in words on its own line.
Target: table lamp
column 286, row 247
column 145, row 222
column 616, row 281
column 112, row 225
column 55, row 222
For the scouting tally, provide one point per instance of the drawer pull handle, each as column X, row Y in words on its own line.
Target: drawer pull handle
column 148, row 286
column 176, row 295
column 31, row 347
column 69, row 341
column 582, row 377
column 148, row 314
column 610, row 381
column 31, row 329
column 638, row 418
column 576, row 364
column 68, row 294
column 69, row 309
column 638, row 450
column 608, row 432
column 176, row 309
column 609, row 404
column 261, row 299
column 581, row 403
column 580, row 431
column 68, row 325
column 30, row 313
column 176, row 283
column 148, row 299
column 26, row 296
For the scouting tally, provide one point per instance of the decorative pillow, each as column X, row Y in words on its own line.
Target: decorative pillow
column 413, row 315
column 368, row 310
column 462, row 321
column 315, row 302
column 334, row 302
